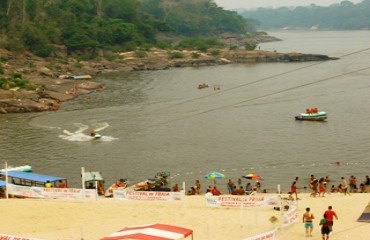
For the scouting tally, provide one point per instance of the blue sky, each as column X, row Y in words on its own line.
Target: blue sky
column 230, row 4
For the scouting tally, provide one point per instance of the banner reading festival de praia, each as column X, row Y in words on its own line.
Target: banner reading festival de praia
column 241, row 201
column 56, row 193
column 148, row 195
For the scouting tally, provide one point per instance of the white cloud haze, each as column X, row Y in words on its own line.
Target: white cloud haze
column 248, row 4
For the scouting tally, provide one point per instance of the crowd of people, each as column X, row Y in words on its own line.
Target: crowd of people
column 231, row 187
column 317, row 186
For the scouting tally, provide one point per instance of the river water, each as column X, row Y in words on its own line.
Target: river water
column 159, row 121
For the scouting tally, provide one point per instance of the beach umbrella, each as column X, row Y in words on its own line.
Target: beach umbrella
column 214, row 176
column 253, row 176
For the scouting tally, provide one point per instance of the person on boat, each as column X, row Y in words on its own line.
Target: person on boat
column 48, row 184
column 92, row 133
column 62, row 184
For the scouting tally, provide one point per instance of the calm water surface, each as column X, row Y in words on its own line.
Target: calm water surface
column 159, row 121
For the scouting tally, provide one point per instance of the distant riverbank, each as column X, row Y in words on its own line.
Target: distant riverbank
column 53, row 87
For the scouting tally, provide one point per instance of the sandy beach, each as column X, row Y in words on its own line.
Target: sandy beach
column 91, row 220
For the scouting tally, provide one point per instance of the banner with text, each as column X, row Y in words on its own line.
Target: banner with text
column 59, row 193
column 9, row 237
column 270, row 235
column 291, row 216
column 148, row 195
column 241, row 201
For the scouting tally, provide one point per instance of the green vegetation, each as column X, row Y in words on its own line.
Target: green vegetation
column 16, row 80
column 201, row 44
column 250, row 46
column 116, row 25
column 342, row 16
column 175, row 54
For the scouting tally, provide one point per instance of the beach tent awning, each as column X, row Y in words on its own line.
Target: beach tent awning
column 151, row 232
column 32, row 176
column 93, row 176
column 365, row 216
column 2, row 183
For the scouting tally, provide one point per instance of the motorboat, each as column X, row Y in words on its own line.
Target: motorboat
column 312, row 114
column 24, row 168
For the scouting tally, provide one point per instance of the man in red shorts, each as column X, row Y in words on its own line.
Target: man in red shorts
column 330, row 214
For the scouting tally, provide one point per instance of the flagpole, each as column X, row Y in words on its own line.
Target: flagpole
column 6, row 180
column 83, row 177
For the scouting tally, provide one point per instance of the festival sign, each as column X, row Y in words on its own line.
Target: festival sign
column 56, row 193
column 241, row 201
column 291, row 216
column 9, row 237
column 148, row 195
column 270, row 235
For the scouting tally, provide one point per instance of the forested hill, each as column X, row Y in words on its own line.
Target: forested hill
column 118, row 25
column 343, row 16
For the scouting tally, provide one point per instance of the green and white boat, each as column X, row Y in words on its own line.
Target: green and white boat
column 319, row 116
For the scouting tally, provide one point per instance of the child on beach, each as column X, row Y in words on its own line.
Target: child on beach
column 325, row 230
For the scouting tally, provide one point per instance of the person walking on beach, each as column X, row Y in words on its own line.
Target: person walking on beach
column 325, row 230
column 197, row 187
column 322, row 187
column 230, row 186
column 307, row 220
column 344, row 186
column 330, row 214
column 367, row 184
column 293, row 190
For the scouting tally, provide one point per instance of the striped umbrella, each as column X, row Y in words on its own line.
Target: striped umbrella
column 253, row 176
column 214, row 175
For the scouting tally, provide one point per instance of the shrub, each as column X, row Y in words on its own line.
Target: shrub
column 250, row 46
column 176, row 54
column 195, row 55
column 42, row 50
column 140, row 54
column 215, row 52
column 3, row 59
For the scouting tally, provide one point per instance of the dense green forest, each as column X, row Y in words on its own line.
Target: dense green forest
column 343, row 16
column 117, row 25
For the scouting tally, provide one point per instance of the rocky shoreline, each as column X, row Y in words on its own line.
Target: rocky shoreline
column 54, row 88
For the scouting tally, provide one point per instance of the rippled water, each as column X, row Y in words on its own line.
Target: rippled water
column 159, row 121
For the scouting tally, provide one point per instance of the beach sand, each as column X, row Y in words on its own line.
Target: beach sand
column 92, row 220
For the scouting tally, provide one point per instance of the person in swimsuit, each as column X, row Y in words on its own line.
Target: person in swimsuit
column 307, row 220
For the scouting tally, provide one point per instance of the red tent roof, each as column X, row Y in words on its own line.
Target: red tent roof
column 151, row 232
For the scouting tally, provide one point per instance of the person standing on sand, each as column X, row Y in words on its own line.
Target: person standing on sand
column 330, row 214
column 293, row 190
column 230, row 186
column 367, row 184
column 344, row 186
column 307, row 220
column 325, row 230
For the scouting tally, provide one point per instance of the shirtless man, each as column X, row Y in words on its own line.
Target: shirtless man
column 307, row 220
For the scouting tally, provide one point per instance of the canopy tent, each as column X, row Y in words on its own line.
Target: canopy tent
column 31, row 179
column 151, row 232
column 365, row 216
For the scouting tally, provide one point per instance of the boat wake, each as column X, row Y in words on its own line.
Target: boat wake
column 82, row 135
